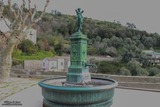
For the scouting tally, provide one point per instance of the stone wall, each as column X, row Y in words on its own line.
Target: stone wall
column 129, row 82
column 134, row 82
column 32, row 65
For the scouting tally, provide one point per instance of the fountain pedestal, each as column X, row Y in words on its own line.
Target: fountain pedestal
column 78, row 72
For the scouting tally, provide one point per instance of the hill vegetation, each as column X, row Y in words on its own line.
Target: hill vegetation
column 125, row 43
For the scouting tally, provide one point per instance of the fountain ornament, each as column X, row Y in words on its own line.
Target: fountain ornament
column 78, row 89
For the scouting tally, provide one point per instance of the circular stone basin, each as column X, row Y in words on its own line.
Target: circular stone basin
column 100, row 94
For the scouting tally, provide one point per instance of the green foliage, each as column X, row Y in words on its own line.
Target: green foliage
column 16, row 62
column 124, row 71
column 109, row 67
column 37, row 56
column 59, row 49
column 111, row 51
column 116, row 42
column 153, row 71
column 136, row 69
column 16, row 52
column 91, row 50
column 141, row 72
column 27, row 47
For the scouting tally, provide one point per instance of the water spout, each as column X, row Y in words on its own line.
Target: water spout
column 93, row 65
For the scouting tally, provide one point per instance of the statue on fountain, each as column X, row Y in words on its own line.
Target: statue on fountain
column 79, row 19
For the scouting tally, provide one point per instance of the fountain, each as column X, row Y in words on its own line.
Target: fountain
column 78, row 89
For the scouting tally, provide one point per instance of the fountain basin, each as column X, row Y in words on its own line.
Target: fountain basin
column 98, row 95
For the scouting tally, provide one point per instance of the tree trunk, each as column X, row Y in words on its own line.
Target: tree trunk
column 6, row 59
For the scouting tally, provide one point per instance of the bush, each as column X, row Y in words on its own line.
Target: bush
column 28, row 47
column 16, row 52
column 124, row 71
column 153, row 71
column 91, row 50
column 141, row 72
column 16, row 62
column 136, row 69
column 109, row 67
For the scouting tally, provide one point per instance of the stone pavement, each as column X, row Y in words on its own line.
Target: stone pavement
column 32, row 97
column 14, row 85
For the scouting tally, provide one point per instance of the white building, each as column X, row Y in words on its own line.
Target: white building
column 154, row 57
column 31, row 35
column 60, row 64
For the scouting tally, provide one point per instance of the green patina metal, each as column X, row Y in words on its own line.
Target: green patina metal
column 62, row 96
column 79, row 19
column 78, row 71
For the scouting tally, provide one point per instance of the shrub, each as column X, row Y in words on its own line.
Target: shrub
column 109, row 67
column 27, row 47
column 16, row 52
column 136, row 69
column 124, row 71
column 141, row 72
column 153, row 71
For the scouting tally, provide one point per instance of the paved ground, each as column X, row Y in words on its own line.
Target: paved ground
column 14, row 85
column 31, row 97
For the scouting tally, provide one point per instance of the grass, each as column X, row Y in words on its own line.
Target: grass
column 38, row 56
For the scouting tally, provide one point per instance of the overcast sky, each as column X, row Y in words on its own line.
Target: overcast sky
column 143, row 13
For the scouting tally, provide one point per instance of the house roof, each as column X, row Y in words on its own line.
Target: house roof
column 3, row 26
column 150, row 52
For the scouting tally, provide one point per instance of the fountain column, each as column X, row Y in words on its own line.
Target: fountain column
column 78, row 72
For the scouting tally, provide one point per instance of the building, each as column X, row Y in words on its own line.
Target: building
column 57, row 64
column 154, row 57
column 31, row 35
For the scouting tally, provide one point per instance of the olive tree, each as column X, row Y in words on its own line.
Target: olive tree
column 22, row 18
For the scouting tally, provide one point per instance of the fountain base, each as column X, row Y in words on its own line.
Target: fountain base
column 55, row 94
column 47, row 103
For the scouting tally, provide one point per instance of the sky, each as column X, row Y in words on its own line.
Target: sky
column 143, row 13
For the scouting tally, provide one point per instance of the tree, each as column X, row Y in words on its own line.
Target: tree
column 111, row 51
column 130, row 25
column 21, row 20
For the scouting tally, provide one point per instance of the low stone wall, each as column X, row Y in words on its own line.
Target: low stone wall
column 134, row 82
column 131, row 82
column 119, row 78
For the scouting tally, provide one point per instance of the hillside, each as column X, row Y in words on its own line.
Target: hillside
column 105, row 38
column 125, row 43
